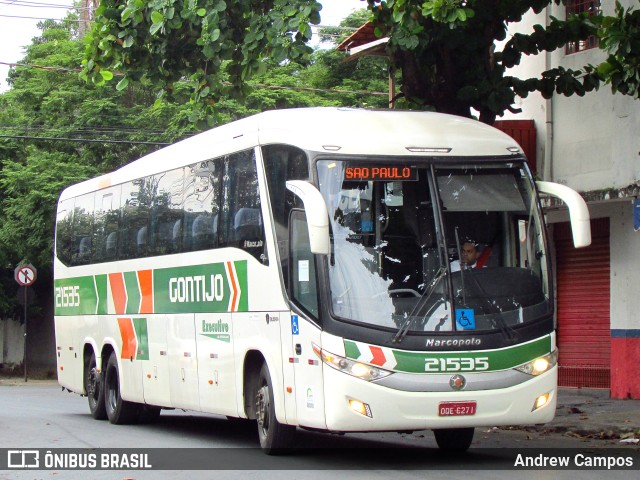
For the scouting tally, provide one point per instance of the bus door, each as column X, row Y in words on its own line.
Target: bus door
column 303, row 326
column 183, row 362
column 216, row 365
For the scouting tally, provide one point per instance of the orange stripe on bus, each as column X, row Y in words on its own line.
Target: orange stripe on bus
column 145, row 280
column 128, row 334
column 233, row 286
column 118, row 292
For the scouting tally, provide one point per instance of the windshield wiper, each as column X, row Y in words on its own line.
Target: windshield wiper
column 404, row 328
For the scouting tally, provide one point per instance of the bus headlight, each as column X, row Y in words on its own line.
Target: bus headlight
column 540, row 364
column 351, row 367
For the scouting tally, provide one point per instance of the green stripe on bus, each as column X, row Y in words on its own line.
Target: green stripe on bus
column 241, row 271
column 351, row 349
column 75, row 296
column 189, row 289
column 462, row 361
column 140, row 327
column 101, row 289
column 133, row 292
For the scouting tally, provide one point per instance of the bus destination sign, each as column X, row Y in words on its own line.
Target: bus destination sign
column 381, row 173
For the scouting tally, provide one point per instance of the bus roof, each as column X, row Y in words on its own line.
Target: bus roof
column 343, row 131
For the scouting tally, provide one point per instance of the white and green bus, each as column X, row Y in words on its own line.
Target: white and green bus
column 295, row 268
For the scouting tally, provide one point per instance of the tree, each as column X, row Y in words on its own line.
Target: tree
column 57, row 130
column 444, row 49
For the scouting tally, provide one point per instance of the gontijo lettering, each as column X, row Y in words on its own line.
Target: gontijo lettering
column 198, row 288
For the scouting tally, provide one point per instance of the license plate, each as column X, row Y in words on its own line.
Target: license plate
column 451, row 409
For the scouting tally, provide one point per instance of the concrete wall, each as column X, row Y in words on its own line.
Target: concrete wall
column 595, row 144
column 11, row 342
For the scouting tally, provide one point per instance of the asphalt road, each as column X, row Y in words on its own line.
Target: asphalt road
column 42, row 416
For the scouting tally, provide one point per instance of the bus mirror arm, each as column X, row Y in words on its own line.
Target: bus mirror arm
column 317, row 215
column 578, row 211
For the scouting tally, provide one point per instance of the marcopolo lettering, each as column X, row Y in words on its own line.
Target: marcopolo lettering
column 454, row 342
column 198, row 288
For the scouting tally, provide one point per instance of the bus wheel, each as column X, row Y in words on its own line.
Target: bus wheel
column 454, row 439
column 93, row 385
column 273, row 435
column 118, row 410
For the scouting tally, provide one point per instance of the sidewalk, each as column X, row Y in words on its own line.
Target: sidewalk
column 590, row 413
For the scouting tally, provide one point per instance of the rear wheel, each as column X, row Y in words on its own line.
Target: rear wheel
column 454, row 439
column 274, row 436
column 119, row 411
column 93, row 386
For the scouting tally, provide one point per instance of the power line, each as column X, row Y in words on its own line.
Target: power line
column 84, row 140
column 42, row 18
column 25, row 4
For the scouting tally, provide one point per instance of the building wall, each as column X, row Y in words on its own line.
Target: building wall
column 625, row 321
column 591, row 144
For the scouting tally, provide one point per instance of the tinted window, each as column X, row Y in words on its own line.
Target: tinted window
column 283, row 163
column 83, row 233
column 205, row 205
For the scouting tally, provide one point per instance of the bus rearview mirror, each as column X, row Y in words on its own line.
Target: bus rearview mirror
column 317, row 215
column 578, row 211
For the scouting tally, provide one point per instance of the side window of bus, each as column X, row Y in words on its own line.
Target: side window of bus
column 83, row 230
column 303, row 287
column 282, row 163
column 166, row 213
column 107, row 217
column 198, row 229
column 242, row 220
column 136, row 200
column 64, row 231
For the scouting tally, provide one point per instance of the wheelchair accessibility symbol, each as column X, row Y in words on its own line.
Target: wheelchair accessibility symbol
column 465, row 319
column 295, row 328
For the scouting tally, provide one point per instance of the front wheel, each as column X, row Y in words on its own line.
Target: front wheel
column 454, row 439
column 274, row 436
column 119, row 411
column 93, row 386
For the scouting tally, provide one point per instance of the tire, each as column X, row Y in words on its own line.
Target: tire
column 94, row 387
column 119, row 411
column 274, row 436
column 454, row 439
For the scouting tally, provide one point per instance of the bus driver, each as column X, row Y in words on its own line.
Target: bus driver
column 469, row 256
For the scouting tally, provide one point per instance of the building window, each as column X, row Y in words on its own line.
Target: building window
column 590, row 7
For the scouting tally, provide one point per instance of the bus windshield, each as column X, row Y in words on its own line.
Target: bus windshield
column 422, row 248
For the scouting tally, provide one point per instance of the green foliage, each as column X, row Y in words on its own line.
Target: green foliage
column 620, row 37
column 57, row 103
column 446, row 51
column 30, row 193
column 217, row 45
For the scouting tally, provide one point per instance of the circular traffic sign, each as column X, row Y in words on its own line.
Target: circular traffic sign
column 25, row 275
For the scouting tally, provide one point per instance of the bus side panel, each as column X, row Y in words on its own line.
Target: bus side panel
column 69, row 367
column 183, row 362
column 288, row 337
column 156, row 369
column 309, row 387
column 253, row 332
column 119, row 333
column 216, row 365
